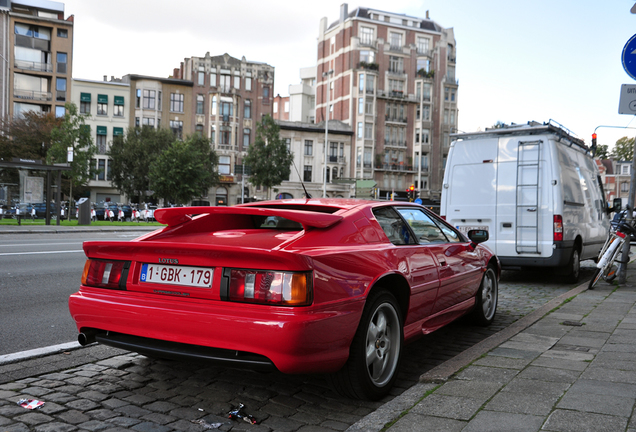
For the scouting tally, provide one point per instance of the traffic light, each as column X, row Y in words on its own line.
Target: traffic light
column 411, row 191
column 593, row 147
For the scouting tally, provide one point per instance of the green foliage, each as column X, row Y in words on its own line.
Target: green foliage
column 623, row 149
column 268, row 157
column 185, row 170
column 131, row 158
column 602, row 151
column 72, row 132
column 27, row 137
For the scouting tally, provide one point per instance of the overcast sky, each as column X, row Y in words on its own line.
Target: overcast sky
column 516, row 61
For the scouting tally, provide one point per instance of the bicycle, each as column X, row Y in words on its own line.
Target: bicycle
column 605, row 268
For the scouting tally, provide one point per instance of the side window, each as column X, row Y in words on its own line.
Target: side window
column 393, row 226
column 423, row 226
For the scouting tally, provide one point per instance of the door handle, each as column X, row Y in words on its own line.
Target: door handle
column 533, row 209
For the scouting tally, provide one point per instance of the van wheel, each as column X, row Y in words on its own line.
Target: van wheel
column 573, row 269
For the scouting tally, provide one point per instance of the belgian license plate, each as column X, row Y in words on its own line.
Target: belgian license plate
column 200, row 277
column 465, row 228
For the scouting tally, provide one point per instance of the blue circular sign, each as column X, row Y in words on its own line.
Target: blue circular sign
column 418, row 201
column 629, row 57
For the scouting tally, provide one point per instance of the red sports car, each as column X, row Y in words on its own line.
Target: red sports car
column 318, row 285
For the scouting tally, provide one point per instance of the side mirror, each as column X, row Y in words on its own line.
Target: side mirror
column 478, row 236
column 616, row 205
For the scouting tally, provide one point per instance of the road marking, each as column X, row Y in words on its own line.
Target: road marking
column 38, row 352
column 43, row 252
column 41, row 244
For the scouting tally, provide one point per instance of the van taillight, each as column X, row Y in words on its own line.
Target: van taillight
column 443, row 217
column 105, row 273
column 558, row 228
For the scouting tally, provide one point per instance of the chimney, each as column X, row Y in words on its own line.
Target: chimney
column 344, row 12
column 427, row 17
column 105, row 77
column 323, row 27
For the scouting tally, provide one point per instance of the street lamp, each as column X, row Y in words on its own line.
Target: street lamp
column 324, row 173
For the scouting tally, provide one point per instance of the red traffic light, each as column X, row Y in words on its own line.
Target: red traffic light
column 412, row 188
column 594, row 136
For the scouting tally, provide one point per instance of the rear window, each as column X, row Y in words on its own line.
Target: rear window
column 276, row 222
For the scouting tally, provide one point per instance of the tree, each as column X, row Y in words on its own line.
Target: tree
column 268, row 158
column 185, row 170
column 73, row 133
column 623, row 149
column 131, row 158
column 602, row 151
column 27, row 136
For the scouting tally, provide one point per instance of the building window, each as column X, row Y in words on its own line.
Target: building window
column 101, row 144
column 201, row 76
column 395, row 39
column 85, row 103
column 224, row 165
column 138, row 99
column 149, row 99
column 360, row 105
column 309, row 147
column 368, row 108
column 102, row 104
column 61, row 62
column 307, row 173
column 360, row 130
column 225, row 133
column 60, row 86
column 225, row 83
column 213, row 77
column 366, row 36
column 426, row 112
column 367, row 56
column 213, row 105
column 148, row 121
column 247, row 109
column 625, row 169
column 422, row 45
column 200, row 103
column 118, row 110
column 227, row 110
column 396, row 64
column 176, row 126
column 101, row 169
column 246, row 137
column 625, row 187
column 137, row 123
column 237, row 82
column 266, row 95
column 368, row 130
column 62, row 33
column 176, row 102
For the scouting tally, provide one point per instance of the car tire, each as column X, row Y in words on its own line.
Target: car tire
column 573, row 268
column 375, row 352
column 486, row 299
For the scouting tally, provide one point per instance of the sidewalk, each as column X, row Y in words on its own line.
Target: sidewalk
column 574, row 369
column 60, row 229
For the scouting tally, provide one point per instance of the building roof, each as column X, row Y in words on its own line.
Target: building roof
column 362, row 12
column 133, row 77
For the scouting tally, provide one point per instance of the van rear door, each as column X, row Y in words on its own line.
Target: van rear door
column 471, row 192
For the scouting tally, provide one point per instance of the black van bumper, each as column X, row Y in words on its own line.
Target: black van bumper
column 561, row 254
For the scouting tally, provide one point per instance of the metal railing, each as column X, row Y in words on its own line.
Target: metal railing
column 32, row 94
column 34, row 66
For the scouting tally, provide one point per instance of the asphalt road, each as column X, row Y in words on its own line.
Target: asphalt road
column 38, row 272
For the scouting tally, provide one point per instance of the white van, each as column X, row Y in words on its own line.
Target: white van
column 535, row 188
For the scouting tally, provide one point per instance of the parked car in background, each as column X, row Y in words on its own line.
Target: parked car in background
column 302, row 286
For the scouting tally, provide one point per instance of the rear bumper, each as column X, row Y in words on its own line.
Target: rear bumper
column 560, row 257
column 293, row 340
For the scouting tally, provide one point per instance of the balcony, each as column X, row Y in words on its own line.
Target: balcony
column 395, row 143
column 336, row 159
column 396, row 47
column 395, row 119
column 397, row 94
column 368, row 66
column 32, row 95
column 424, row 52
column 33, row 66
column 396, row 71
column 34, row 43
column 397, row 166
column 426, row 75
column 368, row 41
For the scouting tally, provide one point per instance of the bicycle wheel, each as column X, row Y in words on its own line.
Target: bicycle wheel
column 595, row 278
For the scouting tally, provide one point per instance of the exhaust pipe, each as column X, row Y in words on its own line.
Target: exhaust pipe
column 86, row 338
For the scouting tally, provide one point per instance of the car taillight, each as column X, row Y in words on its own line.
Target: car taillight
column 558, row 228
column 105, row 274
column 270, row 287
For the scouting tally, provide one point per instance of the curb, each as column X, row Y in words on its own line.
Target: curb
column 377, row 420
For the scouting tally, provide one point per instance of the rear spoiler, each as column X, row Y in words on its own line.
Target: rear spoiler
column 174, row 216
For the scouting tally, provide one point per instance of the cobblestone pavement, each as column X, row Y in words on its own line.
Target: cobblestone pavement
column 111, row 390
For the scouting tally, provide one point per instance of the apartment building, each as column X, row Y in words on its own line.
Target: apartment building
column 229, row 97
column 37, row 54
column 107, row 105
column 391, row 77
column 306, row 141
